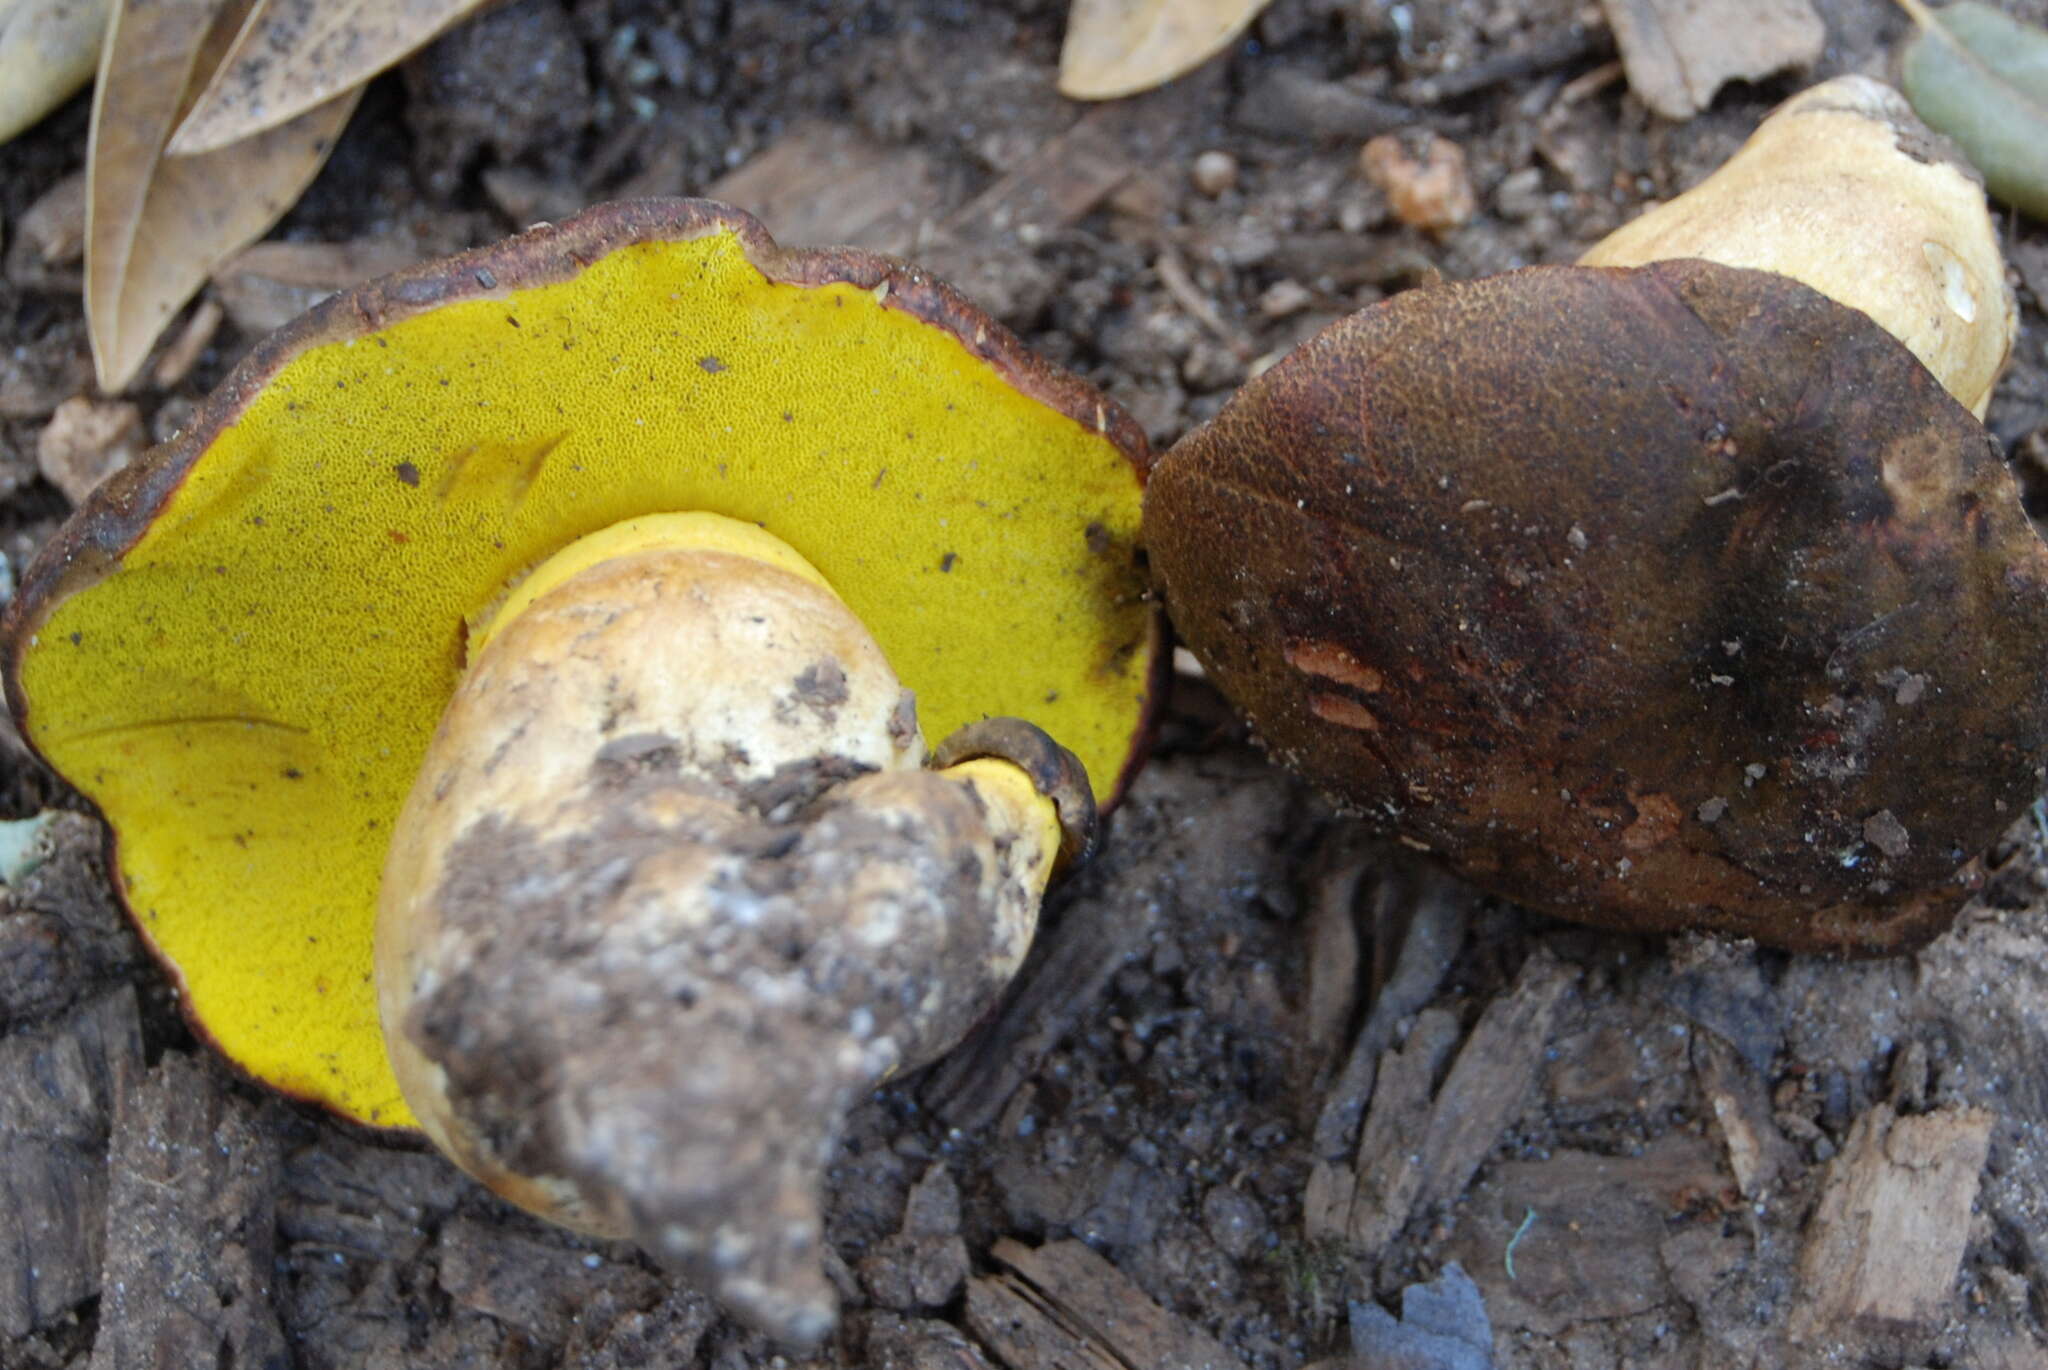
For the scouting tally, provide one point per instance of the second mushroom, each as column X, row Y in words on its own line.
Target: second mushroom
column 1677, row 589
column 584, row 603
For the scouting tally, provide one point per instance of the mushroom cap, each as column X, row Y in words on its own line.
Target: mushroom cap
column 239, row 647
column 1673, row 597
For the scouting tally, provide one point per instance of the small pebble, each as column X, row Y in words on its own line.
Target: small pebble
column 1285, row 297
column 1214, row 173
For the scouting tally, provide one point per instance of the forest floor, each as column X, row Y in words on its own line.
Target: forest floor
column 1638, row 1152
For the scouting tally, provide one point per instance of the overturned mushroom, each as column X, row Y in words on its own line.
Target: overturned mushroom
column 1674, row 596
column 620, row 548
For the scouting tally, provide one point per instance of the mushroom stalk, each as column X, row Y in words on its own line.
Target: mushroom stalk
column 675, row 888
column 1843, row 189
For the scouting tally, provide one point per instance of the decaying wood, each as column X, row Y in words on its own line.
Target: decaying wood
column 1677, row 53
column 1433, row 907
column 191, row 1226
column 1883, row 1247
column 1413, row 1152
column 1368, row 1205
column 1063, row 1307
column 1575, row 1239
column 1757, row 1152
column 57, row 1097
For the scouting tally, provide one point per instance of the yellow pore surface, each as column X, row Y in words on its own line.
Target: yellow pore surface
column 247, row 697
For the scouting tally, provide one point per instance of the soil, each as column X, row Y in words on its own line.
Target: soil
column 1644, row 1153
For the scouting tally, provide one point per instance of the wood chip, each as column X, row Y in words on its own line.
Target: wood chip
column 191, row 1226
column 1409, row 1160
column 1389, row 1168
column 1287, row 102
column 1757, row 1152
column 1057, row 185
column 1576, row 1239
column 1886, row 1241
column 536, row 1285
column 57, row 1099
column 1677, row 53
column 1063, row 1307
column 823, row 183
column 1431, row 907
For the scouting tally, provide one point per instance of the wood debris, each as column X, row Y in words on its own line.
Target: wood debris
column 1677, row 53
column 1577, row 1239
column 57, row 1100
column 191, row 1226
column 1757, row 1152
column 1063, row 1307
column 1885, row 1243
column 1416, row 1150
column 538, row 1285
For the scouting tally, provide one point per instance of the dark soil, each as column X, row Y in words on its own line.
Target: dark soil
column 1629, row 1146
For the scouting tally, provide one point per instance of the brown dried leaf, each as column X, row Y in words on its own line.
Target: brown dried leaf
column 1677, row 53
column 157, row 226
column 47, row 51
column 1120, row 47
column 294, row 54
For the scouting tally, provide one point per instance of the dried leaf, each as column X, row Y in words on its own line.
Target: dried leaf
column 47, row 50
column 157, row 226
column 1982, row 79
column 294, row 54
column 1120, row 47
column 1677, row 53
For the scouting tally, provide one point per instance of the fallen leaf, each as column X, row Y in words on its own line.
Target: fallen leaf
column 1677, row 53
column 294, row 54
column 48, row 49
column 1120, row 47
column 157, row 226
column 1982, row 79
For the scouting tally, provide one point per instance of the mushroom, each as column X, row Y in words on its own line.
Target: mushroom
column 556, row 610
column 1673, row 595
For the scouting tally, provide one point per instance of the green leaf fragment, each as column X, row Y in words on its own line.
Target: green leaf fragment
column 1981, row 77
